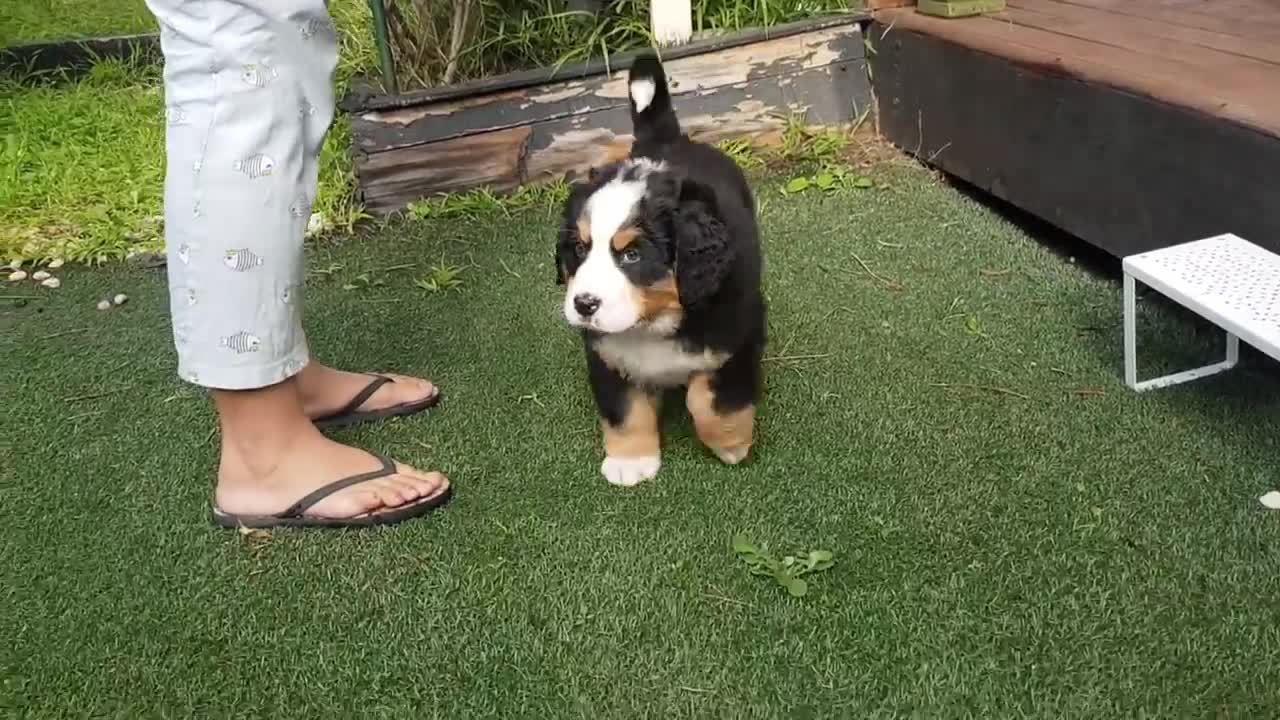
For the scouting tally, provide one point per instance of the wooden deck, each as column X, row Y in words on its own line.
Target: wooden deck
column 1132, row 124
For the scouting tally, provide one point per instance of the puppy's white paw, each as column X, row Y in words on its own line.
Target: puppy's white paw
column 629, row 472
column 733, row 456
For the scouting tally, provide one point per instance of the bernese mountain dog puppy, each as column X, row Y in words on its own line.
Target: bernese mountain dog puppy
column 660, row 257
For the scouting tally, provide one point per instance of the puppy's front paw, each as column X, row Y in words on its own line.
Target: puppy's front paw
column 631, row 471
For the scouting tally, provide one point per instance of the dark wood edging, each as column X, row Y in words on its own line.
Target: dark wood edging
column 77, row 55
column 362, row 97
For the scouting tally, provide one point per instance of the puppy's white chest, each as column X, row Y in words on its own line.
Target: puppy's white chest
column 654, row 360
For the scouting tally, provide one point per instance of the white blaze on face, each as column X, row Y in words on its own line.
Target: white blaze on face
column 607, row 209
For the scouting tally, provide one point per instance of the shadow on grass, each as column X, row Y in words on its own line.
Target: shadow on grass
column 1171, row 337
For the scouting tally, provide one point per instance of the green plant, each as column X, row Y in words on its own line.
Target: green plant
column 437, row 43
column 788, row 571
column 440, row 278
column 827, row 180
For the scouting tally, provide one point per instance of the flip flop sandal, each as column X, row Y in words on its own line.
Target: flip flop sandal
column 348, row 415
column 293, row 517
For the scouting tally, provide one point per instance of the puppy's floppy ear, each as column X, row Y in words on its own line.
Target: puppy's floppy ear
column 703, row 253
column 569, row 210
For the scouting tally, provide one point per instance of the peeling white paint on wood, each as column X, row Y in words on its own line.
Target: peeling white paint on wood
column 568, row 91
column 737, row 66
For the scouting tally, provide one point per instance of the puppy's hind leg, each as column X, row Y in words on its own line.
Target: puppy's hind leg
column 723, row 407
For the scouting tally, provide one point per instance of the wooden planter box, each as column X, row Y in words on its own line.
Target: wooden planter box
column 536, row 126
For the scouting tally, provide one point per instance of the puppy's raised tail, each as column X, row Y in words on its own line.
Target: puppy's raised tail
column 652, row 117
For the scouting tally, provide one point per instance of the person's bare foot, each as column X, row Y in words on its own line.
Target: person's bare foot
column 325, row 390
column 272, row 456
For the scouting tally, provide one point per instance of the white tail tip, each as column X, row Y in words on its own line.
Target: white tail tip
column 642, row 92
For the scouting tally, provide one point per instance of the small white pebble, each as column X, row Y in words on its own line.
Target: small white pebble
column 104, row 304
column 17, row 275
column 56, row 263
column 52, row 283
column 1271, row 500
column 40, row 275
column 120, row 299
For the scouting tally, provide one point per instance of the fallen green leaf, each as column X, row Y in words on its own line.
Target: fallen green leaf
column 796, row 185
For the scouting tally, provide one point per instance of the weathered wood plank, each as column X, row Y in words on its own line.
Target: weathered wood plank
column 566, row 146
column 363, row 96
column 1152, row 27
column 380, row 130
column 1123, row 172
column 1244, row 97
column 389, row 180
column 755, row 111
column 1255, row 19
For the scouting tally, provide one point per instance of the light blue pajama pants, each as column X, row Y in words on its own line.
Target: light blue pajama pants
column 249, row 98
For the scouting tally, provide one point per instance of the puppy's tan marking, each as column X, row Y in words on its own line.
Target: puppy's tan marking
column 729, row 436
column 625, row 237
column 658, row 299
column 584, row 230
column 637, row 436
column 616, row 151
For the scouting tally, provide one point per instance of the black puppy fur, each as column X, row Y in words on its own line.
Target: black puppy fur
column 698, row 223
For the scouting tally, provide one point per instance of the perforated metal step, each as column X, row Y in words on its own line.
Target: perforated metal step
column 1226, row 279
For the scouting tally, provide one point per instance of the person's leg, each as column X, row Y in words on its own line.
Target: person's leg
column 241, row 86
column 325, row 390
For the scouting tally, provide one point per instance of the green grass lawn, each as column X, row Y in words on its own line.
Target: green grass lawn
column 82, row 167
column 28, row 21
column 1005, row 545
column 82, row 162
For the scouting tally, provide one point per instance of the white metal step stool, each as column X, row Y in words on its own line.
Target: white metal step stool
column 1225, row 279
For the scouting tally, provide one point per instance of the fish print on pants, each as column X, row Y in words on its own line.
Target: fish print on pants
column 176, row 115
column 300, row 208
column 313, row 26
column 241, row 259
column 184, row 253
column 242, row 342
column 307, row 109
column 258, row 75
column 255, row 166
column 289, row 294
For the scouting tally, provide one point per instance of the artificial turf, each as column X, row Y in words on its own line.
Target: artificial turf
column 1015, row 533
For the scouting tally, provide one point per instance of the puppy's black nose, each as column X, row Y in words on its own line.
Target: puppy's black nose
column 586, row 304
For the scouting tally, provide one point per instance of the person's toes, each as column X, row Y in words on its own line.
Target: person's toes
column 429, row 482
column 408, row 489
column 391, row 494
column 412, row 389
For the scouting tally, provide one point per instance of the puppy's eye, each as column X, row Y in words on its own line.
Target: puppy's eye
column 580, row 250
column 630, row 255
